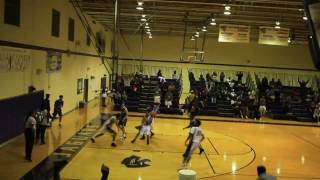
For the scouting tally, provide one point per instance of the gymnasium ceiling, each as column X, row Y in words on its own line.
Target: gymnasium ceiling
column 168, row 17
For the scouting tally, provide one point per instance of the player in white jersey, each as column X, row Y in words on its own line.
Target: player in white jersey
column 107, row 127
column 145, row 129
column 195, row 137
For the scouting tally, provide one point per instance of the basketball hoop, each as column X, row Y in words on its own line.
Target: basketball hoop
column 192, row 56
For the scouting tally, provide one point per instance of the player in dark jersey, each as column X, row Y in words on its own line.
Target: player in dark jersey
column 58, row 104
column 107, row 127
column 122, row 120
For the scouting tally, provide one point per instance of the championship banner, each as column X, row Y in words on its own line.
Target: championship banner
column 54, row 61
column 14, row 59
column 272, row 36
column 234, row 33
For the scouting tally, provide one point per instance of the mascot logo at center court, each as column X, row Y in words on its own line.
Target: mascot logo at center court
column 135, row 162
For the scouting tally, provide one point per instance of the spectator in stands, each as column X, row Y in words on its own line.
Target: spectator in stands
column 262, row 106
column 228, row 81
column 222, row 76
column 29, row 134
column 214, row 77
column 174, row 75
column 168, row 99
column 194, row 111
column 264, row 86
column 236, row 107
column 208, row 77
column 159, row 74
column 244, row 107
column 316, row 112
column 255, row 114
column 278, row 84
column 189, row 100
column 272, row 83
column 303, row 83
column 262, row 174
column 201, row 79
column 239, row 75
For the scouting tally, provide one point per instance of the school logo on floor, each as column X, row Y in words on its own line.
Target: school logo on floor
column 135, row 162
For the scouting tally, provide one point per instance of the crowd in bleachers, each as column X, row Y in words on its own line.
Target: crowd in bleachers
column 139, row 92
column 230, row 97
column 217, row 95
column 287, row 102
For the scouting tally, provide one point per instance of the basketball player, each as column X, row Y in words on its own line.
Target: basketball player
column 195, row 137
column 58, row 104
column 145, row 129
column 122, row 120
column 108, row 123
column 193, row 123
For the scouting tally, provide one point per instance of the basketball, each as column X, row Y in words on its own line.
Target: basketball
column 153, row 114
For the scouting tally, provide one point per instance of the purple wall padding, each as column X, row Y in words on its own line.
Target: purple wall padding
column 13, row 112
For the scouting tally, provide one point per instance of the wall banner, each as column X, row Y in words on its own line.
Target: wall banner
column 14, row 59
column 272, row 36
column 54, row 61
column 234, row 33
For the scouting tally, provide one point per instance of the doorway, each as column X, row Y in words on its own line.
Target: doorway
column 86, row 89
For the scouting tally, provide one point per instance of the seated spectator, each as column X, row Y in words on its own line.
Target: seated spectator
column 174, row 75
column 168, row 99
column 222, row 76
column 262, row 174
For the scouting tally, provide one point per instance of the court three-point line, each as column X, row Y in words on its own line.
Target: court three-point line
column 215, row 149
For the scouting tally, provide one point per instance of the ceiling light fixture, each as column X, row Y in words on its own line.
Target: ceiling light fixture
column 277, row 26
column 192, row 38
column 213, row 22
column 227, row 10
column 143, row 17
column 139, row 8
column 204, row 29
column 305, row 17
column 227, row 13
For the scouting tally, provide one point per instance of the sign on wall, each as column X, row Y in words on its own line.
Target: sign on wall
column 79, row 85
column 14, row 59
column 54, row 61
column 272, row 36
column 234, row 33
